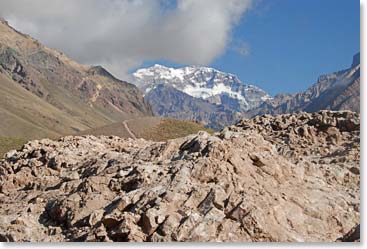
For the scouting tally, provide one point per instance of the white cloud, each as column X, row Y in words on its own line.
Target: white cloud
column 121, row 34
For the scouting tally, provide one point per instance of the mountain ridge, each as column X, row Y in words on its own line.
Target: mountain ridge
column 200, row 82
column 87, row 96
column 334, row 91
column 200, row 91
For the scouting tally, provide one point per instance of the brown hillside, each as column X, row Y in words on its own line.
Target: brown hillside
column 150, row 128
column 58, row 95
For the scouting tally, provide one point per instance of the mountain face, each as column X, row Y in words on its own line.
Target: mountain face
column 243, row 184
column 205, row 83
column 335, row 91
column 167, row 101
column 201, row 86
column 45, row 93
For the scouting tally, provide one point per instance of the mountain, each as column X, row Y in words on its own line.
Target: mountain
column 335, row 91
column 207, row 89
column 46, row 94
column 167, row 101
column 203, row 82
column 283, row 178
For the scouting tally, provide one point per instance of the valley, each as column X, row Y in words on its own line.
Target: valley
column 189, row 154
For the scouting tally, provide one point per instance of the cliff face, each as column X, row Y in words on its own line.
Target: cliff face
column 85, row 96
column 292, row 177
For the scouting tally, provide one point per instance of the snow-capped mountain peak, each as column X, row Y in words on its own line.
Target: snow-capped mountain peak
column 202, row 82
column 159, row 72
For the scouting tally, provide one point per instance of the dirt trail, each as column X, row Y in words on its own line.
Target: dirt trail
column 128, row 130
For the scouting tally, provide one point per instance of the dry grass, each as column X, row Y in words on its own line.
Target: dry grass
column 150, row 128
column 172, row 128
column 7, row 144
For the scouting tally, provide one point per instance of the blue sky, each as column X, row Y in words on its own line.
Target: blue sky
column 291, row 43
column 282, row 46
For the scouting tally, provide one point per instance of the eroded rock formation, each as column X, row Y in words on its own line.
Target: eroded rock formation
column 291, row 177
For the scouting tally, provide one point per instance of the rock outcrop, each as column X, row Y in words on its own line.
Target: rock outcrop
column 287, row 178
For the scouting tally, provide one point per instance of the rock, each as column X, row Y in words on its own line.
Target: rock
column 220, row 197
column 196, row 144
column 10, row 154
column 257, row 160
column 6, row 238
column 69, row 176
column 292, row 177
column 112, row 220
column 226, row 134
column 352, row 236
column 95, row 217
column 348, row 124
column 170, row 224
column 149, row 221
column 355, row 170
column 128, row 230
column 207, row 204
column 188, row 223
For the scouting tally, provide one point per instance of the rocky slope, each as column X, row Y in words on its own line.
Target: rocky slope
column 198, row 89
column 67, row 96
column 336, row 91
column 291, row 177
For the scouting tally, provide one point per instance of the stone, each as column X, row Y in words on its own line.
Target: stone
column 149, row 221
column 352, row 236
column 171, row 223
column 69, row 176
column 95, row 217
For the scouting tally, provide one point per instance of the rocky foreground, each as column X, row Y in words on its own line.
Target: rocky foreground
column 293, row 177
